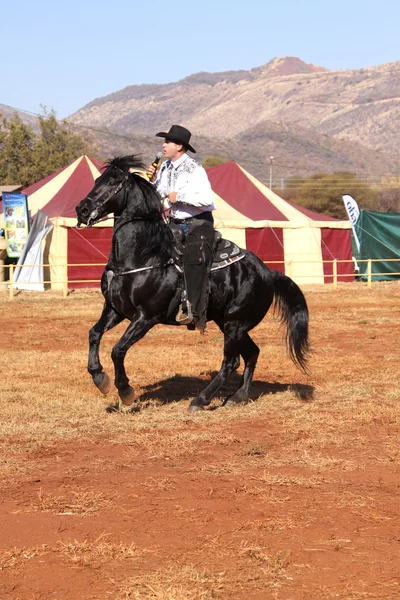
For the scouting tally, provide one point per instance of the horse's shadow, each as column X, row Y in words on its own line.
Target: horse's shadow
column 178, row 387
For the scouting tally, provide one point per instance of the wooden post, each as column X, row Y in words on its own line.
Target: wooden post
column 65, row 281
column 11, row 277
column 369, row 272
column 334, row 269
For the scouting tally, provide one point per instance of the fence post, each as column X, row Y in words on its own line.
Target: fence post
column 369, row 272
column 65, row 281
column 334, row 270
column 11, row 278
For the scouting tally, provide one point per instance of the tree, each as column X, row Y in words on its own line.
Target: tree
column 17, row 141
column 56, row 146
column 27, row 157
column 323, row 193
column 389, row 195
column 213, row 161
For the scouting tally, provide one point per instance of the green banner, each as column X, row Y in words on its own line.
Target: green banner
column 16, row 220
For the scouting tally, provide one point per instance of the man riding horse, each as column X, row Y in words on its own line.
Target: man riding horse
column 186, row 191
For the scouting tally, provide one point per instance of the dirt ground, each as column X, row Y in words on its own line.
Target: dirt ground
column 293, row 496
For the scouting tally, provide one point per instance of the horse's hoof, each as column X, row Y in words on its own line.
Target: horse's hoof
column 230, row 403
column 195, row 408
column 127, row 396
column 235, row 400
column 104, row 383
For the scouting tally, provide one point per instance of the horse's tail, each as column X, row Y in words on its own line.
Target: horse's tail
column 292, row 309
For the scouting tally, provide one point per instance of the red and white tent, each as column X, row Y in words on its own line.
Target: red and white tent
column 289, row 238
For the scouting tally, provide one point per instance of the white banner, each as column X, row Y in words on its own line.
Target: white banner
column 31, row 277
column 354, row 212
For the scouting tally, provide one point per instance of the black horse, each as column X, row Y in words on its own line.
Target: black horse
column 140, row 283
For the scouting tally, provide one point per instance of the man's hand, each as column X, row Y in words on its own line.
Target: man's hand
column 172, row 197
column 150, row 170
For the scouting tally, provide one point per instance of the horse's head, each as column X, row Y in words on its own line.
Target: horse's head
column 109, row 192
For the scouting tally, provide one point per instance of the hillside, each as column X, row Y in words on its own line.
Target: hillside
column 296, row 151
column 361, row 106
column 8, row 112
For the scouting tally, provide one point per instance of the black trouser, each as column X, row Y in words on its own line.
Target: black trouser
column 184, row 223
column 197, row 259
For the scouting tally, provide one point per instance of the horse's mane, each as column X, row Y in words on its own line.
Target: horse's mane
column 125, row 163
column 146, row 202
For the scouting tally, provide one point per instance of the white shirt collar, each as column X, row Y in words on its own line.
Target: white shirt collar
column 179, row 161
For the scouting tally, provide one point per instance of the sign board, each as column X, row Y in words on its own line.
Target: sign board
column 16, row 223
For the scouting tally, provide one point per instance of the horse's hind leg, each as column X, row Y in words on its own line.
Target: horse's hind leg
column 230, row 363
column 109, row 318
column 249, row 351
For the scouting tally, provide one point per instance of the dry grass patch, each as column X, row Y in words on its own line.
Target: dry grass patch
column 161, row 484
column 96, row 553
column 77, row 502
column 278, row 479
column 275, row 524
column 158, row 444
column 253, row 450
column 299, row 457
column 349, row 593
column 175, row 583
column 12, row 466
column 273, row 565
column 15, row 558
column 186, row 582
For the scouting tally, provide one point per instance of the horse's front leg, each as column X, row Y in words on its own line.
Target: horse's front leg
column 134, row 332
column 109, row 318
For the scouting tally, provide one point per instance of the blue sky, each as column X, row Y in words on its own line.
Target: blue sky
column 63, row 55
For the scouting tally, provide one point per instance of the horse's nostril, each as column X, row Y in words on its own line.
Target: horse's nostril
column 84, row 211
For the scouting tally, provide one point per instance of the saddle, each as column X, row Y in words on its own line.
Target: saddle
column 225, row 252
column 202, row 251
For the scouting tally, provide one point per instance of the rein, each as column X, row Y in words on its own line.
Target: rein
column 169, row 262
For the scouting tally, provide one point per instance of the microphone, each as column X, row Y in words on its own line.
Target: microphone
column 154, row 164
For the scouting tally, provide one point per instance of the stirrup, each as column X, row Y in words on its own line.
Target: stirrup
column 184, row 318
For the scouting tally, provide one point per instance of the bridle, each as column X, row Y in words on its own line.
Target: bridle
column 94, row 215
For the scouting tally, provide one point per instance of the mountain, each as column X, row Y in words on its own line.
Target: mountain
column 362, row 105
column 308, row 118
column 8, row 112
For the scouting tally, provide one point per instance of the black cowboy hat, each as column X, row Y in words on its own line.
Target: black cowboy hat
column 179, row 135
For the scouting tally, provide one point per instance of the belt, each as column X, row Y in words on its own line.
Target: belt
column 179, row 221
column 206, row 215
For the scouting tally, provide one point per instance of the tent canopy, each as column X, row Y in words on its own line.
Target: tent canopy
column 287, row 237
column 379, row 235
column 258, row 205
column 58, row 194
